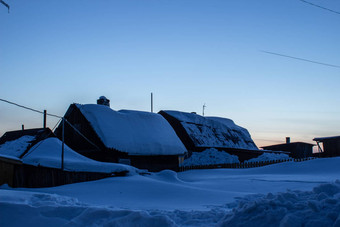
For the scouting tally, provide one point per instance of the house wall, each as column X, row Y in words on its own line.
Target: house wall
column 331, row 148
column 6, row 173
column 155, row 163
column 72, row 138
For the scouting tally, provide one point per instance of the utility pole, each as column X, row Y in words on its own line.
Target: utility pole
column 45, row 115
column 151, row 102
column 63, row 143
column 203, row 108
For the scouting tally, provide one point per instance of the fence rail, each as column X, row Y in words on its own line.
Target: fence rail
column 243, row 165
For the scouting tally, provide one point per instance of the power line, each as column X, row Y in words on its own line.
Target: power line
column 321, row 7
column 301, row 59
column 28, row 108
column 5, row 4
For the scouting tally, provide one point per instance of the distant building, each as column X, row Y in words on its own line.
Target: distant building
column 331, row 146
column 295, row 149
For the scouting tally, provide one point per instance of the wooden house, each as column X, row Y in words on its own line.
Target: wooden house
column 199, row 133
column 331, row 146
column 141, row 139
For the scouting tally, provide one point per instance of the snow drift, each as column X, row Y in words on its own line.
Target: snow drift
column 319, row 207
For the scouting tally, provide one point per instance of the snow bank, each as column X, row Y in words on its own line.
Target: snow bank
column 16, row 147
column 214, row 131
column 133, row 132
column 47, row 153
column 320, row 207
column 286, row 194
column 269, row 157
column 210, row 157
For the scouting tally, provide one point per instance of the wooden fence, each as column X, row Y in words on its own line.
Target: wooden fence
column 27, row 176
column 242, row 165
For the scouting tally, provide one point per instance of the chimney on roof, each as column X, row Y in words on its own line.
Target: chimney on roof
column 287, row 140
column 103, row 101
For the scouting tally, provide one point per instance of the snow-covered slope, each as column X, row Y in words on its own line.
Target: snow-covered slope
column 214, row 131
column 133, row 132
column 286, row 194
column 47, row 153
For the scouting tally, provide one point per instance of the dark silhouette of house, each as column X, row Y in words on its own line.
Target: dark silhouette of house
column 331, row 146
column 141, row 139
column 295, row 149
column 199, row 133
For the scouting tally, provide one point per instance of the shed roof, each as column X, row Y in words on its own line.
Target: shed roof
column 321, row 139
column 133, row 132
column 213, row 131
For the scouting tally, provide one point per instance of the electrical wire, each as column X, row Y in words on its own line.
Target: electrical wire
column 321, row 7
column 28, row 108
column 301, row 59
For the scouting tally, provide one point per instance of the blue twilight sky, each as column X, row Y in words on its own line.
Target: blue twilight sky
column 187, row 52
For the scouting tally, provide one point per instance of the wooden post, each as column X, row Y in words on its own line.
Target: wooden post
column 151, row 102
column 23, row 127
column 45, row 114
column 63, row 143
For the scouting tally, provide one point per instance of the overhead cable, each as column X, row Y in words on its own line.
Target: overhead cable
column 28, row 108
column 321, row 7
column 301, row 59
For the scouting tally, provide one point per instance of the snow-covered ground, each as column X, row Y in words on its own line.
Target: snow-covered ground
column 287, row 194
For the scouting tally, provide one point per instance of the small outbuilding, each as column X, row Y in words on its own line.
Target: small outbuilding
column 30, row 162
column 331, row 146
column 141, row 139
column 295, row 149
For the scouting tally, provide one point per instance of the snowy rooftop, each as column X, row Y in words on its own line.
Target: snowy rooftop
column 321, row 139
column 133, row 132
column 214, row 131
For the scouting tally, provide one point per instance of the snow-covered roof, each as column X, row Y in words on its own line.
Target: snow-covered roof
column 47, row 153
column 133, row 132
column 321, row 139
column 214, row 131
column 16, row 148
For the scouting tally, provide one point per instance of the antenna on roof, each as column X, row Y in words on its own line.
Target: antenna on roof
column 203, row 108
